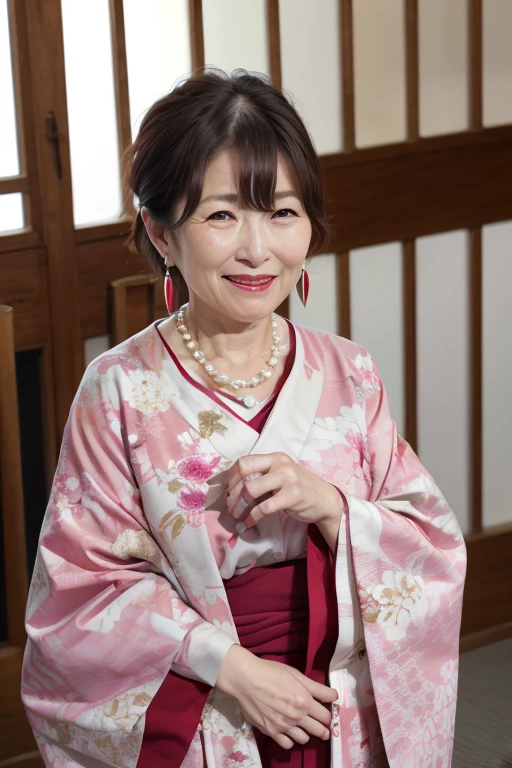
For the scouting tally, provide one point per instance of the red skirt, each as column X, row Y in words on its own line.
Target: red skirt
column 286, row 613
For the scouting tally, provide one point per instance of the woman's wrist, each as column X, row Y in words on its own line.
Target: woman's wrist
column 235, row 660
column 329, row 523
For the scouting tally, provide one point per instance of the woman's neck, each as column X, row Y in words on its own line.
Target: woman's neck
column 222, row 338
column 238, row 354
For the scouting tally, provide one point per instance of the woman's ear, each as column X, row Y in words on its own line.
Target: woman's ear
column 156, row 234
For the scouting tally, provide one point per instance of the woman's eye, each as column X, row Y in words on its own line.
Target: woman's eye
column 285, row 211
column 219, row 213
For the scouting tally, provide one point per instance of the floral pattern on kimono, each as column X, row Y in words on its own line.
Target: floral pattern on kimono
column 137, row 541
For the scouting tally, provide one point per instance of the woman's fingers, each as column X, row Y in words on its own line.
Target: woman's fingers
column 284, row 741
column 319, row 691
column 298, row 735
column 321, row 714
column 313, row 727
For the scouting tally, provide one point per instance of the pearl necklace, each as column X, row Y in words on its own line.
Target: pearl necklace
column 221, row 378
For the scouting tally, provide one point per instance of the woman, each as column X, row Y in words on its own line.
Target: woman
column 242, row 563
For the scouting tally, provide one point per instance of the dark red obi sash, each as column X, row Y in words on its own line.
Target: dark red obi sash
column 286, row 613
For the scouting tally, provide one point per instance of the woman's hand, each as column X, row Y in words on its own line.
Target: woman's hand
column 261, row 484
column 279, row 700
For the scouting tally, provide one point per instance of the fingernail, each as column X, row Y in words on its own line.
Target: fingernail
column 241, row 527
column 241, row 505
column 253, row 476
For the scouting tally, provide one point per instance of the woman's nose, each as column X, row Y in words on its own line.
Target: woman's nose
column 253, row 244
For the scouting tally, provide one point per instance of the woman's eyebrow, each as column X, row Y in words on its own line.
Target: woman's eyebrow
column 233, row 198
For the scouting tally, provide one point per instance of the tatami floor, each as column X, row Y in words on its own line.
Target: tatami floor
column 483, row 727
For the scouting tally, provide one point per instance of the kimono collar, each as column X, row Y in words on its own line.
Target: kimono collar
column 287, row 425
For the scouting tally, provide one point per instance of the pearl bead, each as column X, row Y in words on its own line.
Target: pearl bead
column 182, row 328
column 210, row 368
column 272, row 362
column 187, row 336
column 191, row 344
column 198, row 354
column 221, row 378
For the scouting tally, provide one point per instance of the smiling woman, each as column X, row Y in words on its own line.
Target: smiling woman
column 242, row 563
column 180, row 168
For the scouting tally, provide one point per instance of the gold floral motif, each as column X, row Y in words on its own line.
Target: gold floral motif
column 209, row 423
column 177, row 523
column 167, row 519
column 178, row 526
column 174, row 485
column 142, row 699
column 371, row 614
column 107, row 746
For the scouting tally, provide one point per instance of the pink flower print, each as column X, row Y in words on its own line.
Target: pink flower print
column 355, row 440
column 190, row 498
column 237, row 757
column 196, row 469
column 195, row 517
column 341, row 463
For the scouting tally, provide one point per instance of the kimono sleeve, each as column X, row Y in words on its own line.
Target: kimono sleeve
column 104, row 622
column 409, row 563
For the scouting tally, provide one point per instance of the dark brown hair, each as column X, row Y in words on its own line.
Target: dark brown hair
column 204, row 115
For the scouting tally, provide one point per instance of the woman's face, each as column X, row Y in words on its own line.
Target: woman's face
column 222, row 249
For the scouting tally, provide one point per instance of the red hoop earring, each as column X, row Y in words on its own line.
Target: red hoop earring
column 168, row 291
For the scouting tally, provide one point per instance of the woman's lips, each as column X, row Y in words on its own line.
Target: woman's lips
column 255, row 285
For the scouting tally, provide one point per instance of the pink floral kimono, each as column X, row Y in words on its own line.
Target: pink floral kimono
column 137, row 542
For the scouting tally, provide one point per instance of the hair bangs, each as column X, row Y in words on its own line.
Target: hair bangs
column 256, row 148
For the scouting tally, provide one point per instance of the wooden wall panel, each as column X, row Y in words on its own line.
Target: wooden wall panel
column 24, row 286
column 99, row 263
column 488, row 590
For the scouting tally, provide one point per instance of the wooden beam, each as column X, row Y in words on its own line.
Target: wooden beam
column 26, row 126
column 347, row 74
column 195, row 12
column 11, row 487
column 410, row 356
column 20, row 241
column 101, row 232
column 475, row 59
column 48, row 89
column 476, row 374
column 343, row 292
column 412, row 69
column 124, row 127
column 421, row 188
column 11, row 184
column 475, row 33
column 274, row 43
